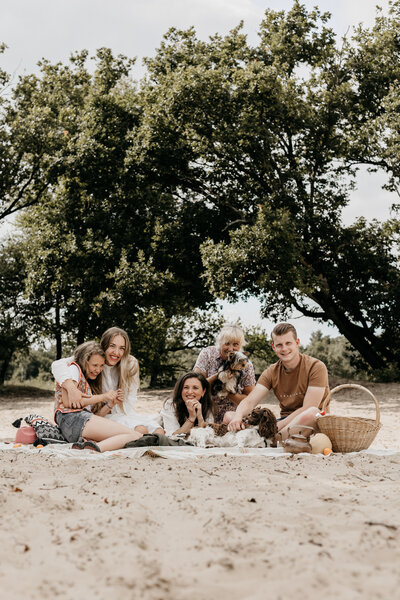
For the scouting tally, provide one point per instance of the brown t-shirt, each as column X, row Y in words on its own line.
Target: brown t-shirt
column 290, row 386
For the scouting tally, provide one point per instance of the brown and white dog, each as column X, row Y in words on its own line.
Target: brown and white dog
column 261, row 429
column 229, row 375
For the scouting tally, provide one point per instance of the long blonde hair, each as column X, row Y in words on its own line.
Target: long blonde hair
column 82, row 355
column 128, row 366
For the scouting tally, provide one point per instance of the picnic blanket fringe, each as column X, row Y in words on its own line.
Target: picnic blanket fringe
column 65, row 451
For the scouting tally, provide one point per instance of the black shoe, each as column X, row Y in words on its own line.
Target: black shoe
column 147, row 439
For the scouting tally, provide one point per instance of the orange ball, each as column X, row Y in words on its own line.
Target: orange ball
column 17, row 445
column 327, row 451
column 40, row 446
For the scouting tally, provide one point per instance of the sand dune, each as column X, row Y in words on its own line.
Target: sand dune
column 240, row 528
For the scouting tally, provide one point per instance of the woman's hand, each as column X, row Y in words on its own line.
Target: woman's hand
column 191, row 406
column 199, row 415
column 213, row 378
column 111, row 397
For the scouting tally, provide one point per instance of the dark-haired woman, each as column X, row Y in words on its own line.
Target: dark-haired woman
column 190, row 406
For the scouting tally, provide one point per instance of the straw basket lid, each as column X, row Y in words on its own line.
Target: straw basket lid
column 350, row 434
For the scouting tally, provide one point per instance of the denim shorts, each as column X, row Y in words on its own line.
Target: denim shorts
column 72, row 423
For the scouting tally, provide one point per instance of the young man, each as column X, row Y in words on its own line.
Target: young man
column 300, row 383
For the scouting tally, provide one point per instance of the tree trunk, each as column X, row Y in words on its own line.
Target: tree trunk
column 80, row 338
column 4, row 367
column 155, row 371
column 58, row 331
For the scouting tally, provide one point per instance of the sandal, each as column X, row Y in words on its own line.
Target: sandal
column 88, row 444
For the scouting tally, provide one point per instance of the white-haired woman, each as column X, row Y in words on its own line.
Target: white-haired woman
column 210, row 359
column 121, row 372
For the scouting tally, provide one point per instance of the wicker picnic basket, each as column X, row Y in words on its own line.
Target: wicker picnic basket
column 350, row 434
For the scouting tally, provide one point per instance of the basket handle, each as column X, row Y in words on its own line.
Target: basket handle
column 358, row 387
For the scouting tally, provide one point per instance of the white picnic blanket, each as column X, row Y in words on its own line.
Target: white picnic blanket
column 178, row 453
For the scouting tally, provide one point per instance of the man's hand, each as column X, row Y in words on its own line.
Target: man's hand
column 236, row 424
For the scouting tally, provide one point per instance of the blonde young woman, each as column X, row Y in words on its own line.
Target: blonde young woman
column 121, row 372
column 210, row 359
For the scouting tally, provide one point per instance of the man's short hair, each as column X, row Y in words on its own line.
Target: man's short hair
column 283, row 328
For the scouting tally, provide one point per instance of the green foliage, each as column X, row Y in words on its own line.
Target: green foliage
column 32, row 365
column 259, row 348
column 248, row 153
column 296, row 166
column 167, row 347
column 19, row 318
column 335, row 352
column 115, row 244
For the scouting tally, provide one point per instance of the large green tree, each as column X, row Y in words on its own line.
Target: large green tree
column 273, row 136
column 254, row 148
column 113, row 243
column 33, row 136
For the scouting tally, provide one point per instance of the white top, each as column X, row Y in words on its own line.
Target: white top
column 110, row 380
column 169, row 419
column 74, row 373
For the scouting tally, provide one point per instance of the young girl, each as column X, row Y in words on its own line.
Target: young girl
column 121, row 372
column 77, row 422
column 190, row 406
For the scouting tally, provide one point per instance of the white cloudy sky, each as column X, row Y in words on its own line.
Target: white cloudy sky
column 52, row 29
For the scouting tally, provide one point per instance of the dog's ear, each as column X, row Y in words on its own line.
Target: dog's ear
column 247, row 353
column 231, row 356
column 268, row 426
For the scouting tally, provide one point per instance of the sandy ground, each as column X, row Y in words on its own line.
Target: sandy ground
column 239, row 528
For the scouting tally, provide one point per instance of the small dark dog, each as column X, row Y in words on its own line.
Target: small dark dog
column 229, row 375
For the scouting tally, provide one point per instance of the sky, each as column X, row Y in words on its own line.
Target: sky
column 53, row 29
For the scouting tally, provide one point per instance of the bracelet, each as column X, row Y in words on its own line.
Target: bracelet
column 192, row 422
column 106, row 403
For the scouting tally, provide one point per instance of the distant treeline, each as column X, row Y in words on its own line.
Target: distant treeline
column 34, row 365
